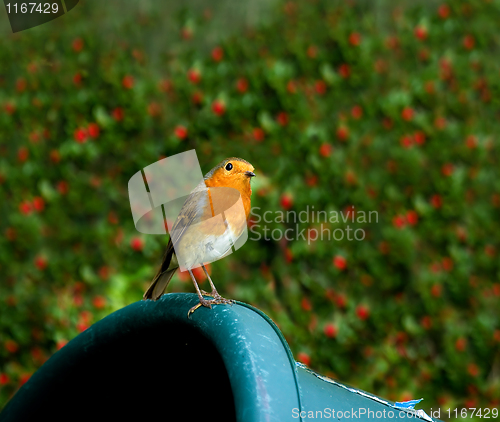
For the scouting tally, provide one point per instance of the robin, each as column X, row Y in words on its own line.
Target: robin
column 196, row 236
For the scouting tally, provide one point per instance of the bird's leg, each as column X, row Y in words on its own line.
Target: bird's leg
column 214, row 293
column 217, row 298
column 203, row 301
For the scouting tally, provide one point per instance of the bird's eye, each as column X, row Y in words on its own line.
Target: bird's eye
column 229, row 166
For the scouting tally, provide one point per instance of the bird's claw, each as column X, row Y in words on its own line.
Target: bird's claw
column 217, row 300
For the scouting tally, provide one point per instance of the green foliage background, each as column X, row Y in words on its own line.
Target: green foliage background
column 392, row 109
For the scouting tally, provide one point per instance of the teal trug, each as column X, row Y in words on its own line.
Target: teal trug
column 149, row 361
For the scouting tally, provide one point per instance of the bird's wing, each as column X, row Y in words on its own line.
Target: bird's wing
column 191, row 212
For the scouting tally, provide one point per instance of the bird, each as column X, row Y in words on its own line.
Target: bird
column 197, row 238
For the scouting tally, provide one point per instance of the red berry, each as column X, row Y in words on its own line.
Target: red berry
column 398, row 221
column 357, row 112
column 489, row 250
column 128, row 82
column 406, row 141
column 61, row 343
column 355, row 39
column 165, row 85
column 387, row 123
column 99, row 302
column 436, row 201
column 407, row 113
column 325, row 150
column 41, row 263
column 460, row 344
column 340, row 262
column 330, row 330
column 259, row 134
column 104, row 272
column 78, row 300
column 23, row 379
column 436, row 290
column 10, row 234
column 181, row 132
column 444, row 11
column 412, row 217
column 197, row 97
column 186, row 33
column 392, row 42
column 86, row 316
column 341, row 300
column 63, row 187
column 342, row 133
column 11, row 346
column 282, row 118
column 349, row 212
column 23, row 154
column 242, row 85
column 77, row 79
column 117, row 114
column 430, row 88
column 419, row 137
column 344, row 70
column 291, row 87
column 363, row 312
column 93, row 130
column 217, row 54
column 137, row 244
column 77, row 44
column 306, row 304
column 194, row 76
column 304, row 358
column 447, row 169
column 421, row 32
column 426, row 322
column 473, row 369
column 154, row 109
column 312, row 51
column 286, row 201
column 468, row 42
column 380, row 66
column 423, row 54
column 9, row 108
column 34, row 137
column 440, row 123
column 4, row 379
column 218, row 107
column 435, row 267
column 80, row 135
column 38, row 203
column 320, row 87
column 21, row 84
column 25, row 208
column 312, row 180
column 471, row 142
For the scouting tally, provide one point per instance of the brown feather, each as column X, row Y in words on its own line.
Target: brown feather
column 163, row 276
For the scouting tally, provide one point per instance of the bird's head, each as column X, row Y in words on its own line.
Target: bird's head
column 233, row 173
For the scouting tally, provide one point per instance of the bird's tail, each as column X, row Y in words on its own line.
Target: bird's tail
column 162, row 278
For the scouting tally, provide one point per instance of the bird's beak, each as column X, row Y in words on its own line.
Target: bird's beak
column 250, row 174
